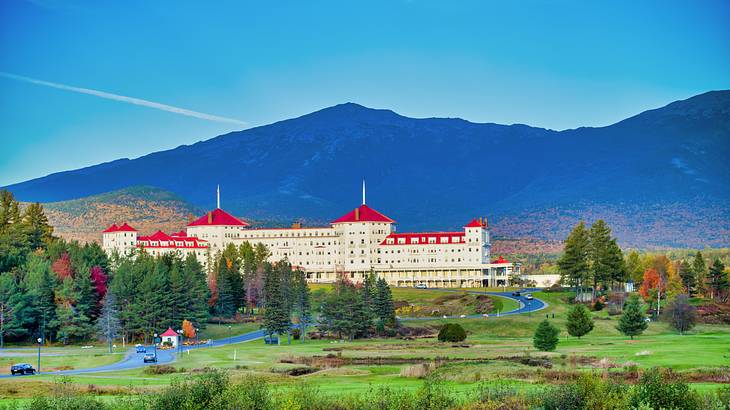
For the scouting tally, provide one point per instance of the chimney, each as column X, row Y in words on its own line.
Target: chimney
column 210, row 218
column 486, row 224
column 357, row 214
column 296, row 225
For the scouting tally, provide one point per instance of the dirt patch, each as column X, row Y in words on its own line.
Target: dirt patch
column 543, row 362
column 337, row 360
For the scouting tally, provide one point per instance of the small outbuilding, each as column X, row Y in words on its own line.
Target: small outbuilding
column 170, row 336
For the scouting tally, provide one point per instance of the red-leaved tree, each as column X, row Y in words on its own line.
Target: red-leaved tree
column 62, row 266
column 99, row 278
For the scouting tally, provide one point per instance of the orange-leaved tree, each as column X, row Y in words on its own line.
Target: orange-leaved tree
column 188, row 329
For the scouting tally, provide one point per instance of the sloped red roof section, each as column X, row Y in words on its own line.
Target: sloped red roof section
column 500, row 260
column 112, row 228
column 476, row 223
column 363, row 213
column 169, row 332
column 126, row 228
column 218, row 217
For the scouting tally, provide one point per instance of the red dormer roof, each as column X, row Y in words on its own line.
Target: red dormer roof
column 126, row 228
column 159, row 236
column 218, row 217
column 477, row 223
column 363, row 213
column 112, row 228
column 169, row 332
column 500, row 260
column 180, row 234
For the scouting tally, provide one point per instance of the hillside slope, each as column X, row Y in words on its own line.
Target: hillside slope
column 437, row 173
column 145, row 208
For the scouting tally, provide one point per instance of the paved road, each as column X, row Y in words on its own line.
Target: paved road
column 525, row 306
column 133, row 360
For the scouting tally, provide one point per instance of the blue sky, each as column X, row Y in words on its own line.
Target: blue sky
column 554, row 64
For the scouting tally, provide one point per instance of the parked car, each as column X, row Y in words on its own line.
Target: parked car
column 150, row 358
column 529, row 296
column 516, row 293
column 141, row 349
column 421, row 286
column 22, row 368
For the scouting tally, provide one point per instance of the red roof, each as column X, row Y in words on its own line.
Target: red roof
column 121, row 228
column 169, row 332
column 363, row 213
column 423, row 237
column 159, row 236
column 218, row 217
column 112, row 228
column 476, row 223
column 500, row 260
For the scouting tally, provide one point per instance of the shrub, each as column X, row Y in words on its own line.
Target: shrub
column 250, row 393
column 452, row 332
column 598, row 305
column 159, row 369
column 663, row 390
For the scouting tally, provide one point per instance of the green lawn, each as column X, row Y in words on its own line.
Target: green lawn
column 215, row 331
column 491, row 353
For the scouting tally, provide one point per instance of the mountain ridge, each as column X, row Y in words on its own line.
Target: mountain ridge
column 436, row 173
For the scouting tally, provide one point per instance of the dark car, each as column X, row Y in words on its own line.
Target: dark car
column 150, row 358
column 141, row 349
column 22, row 368
column 516, row 293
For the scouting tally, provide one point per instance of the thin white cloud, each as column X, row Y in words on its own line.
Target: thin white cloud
column 122, row 98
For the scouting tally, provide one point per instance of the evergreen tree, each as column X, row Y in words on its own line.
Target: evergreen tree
column 700, row 270
column 617, row 272
column 546, row 337
column 599, row 253
column 384, row 306
column 36, row 225
column 341, row 310
column 303, row 303
column 633, row 320
column 73, row 324
column 573, row 264
column 39, row 282
column 580, row 322
column 198, row 292
column 87, row 299
column 276, row 314
column 717, row 280
column 225, row 304
column 368, row 292
column 687, row 274
column 108, row 324
column 235, row 277
column 8, row 289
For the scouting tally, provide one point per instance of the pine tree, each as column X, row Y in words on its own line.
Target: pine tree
column 276, row 314
column 687, row 274
column 633, row 320
column 368, row 292
column 546, row 337
column 198, row 292
column 73, row 324
column 39, row 282
column 384, row 306
column 599, row 253
column 573, row 264
column 107, row 324
column 717, row 280
column 580, row 322
column 36, row 225
column 303, row 303
column 700, row 270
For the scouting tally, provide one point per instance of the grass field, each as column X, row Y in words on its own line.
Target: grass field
column 495, row 349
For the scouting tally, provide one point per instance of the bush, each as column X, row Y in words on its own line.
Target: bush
column 664, row 390
column 598, row 305
column 452, row 332
column 159, row 369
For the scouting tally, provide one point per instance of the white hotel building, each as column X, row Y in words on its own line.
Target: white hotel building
column 354, row 244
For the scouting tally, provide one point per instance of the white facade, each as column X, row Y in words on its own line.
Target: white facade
column 359, row 242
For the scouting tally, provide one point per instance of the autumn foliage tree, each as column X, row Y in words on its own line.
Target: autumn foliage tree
column 188, row 329
column 99, row 279
column 62, row 267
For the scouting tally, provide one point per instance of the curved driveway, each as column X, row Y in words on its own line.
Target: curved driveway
column 133, row 360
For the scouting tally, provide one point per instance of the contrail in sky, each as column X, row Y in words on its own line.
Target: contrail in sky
column 122, row 98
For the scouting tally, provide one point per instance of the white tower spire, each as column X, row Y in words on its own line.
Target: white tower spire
column 363, row 191
column 218, row 196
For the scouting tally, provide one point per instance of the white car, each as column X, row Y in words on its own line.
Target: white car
column 462, row 316
column 529, row 296
column 421, row 286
